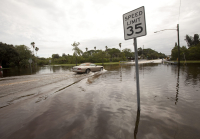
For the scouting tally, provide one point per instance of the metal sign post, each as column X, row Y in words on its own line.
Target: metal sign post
column 137, row 73
column 135, row 26
column 30, row 61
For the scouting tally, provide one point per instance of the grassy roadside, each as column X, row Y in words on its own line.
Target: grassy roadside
column 189, row 61
column 64, row 64
column 110, row 63
column 115, row 63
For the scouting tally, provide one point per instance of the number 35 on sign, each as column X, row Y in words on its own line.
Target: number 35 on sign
column 134, row 23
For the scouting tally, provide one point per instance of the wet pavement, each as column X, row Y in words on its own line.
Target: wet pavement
column 102, row 105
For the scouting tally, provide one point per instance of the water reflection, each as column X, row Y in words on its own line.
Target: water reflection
column 30, row 68
column 192, row 74
column 121, row 73
column 37, row 70
column 137, row 124
column 177, row 85
column 102, row 104
column 1, row 74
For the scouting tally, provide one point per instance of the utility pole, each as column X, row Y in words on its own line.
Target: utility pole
column 142, row 52
column 177, row 29
column 178, row 45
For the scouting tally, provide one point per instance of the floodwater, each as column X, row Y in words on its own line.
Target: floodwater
column 55, row 103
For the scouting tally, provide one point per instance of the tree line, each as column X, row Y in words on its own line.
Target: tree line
column 18, row 55
column 191, row 52
column 102, row 56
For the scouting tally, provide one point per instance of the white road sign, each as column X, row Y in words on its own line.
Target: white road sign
column 134, row 23
column 30, row 60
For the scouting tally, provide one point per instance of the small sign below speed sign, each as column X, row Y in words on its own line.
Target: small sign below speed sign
column 134, row 23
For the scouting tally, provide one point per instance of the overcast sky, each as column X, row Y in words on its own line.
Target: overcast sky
column 55, row 24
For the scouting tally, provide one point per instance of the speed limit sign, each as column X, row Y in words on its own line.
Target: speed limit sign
column 134, row 23
column 135, row 26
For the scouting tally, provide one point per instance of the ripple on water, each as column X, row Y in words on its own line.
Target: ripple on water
column 104, row 105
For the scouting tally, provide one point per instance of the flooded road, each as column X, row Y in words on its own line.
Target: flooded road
column 102, row 105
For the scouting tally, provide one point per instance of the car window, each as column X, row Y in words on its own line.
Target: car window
column 92, row 65
column 82, row 64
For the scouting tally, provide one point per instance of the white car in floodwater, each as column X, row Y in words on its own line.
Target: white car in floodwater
column 87, row 67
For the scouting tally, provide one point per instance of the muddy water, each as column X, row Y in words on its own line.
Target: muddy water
column 103, row 105
column 31, row 71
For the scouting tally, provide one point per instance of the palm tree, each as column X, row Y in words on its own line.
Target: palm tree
column 95, row 47
column 33, row 44
column 120, row 46
column 76, row 50
column 106, row 49
column 36, row 49
column 192, row 40
column 86, row 49
column 103, row 54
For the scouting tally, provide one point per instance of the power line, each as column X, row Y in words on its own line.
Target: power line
column 179, row 11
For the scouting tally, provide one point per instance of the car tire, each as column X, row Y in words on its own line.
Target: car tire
column 101, row 69
column 87, row 71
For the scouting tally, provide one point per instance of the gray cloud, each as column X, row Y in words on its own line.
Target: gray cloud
column 55, row 25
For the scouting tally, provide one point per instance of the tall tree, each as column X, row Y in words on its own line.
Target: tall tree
column 127, row 52
column 106, row 47
column 191, row 41
column 24, row 55
column 8, row 54
column 196, row 39
column 102, row 55
column 54, row 56
column 120, row 46
column 63, row 55
column 76, row 50
column 95, row 47
column 33, row 45
column 86, row 49
column 114, row 52
column 139, row 51
column 36, row 49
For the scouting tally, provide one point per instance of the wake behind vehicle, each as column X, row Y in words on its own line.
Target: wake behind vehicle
column 86, row 68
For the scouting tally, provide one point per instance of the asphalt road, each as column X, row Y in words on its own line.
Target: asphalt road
column 102, row 105
column 26, row 99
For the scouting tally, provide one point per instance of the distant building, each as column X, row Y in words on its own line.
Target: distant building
column 168, row 56
column 133, row 58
